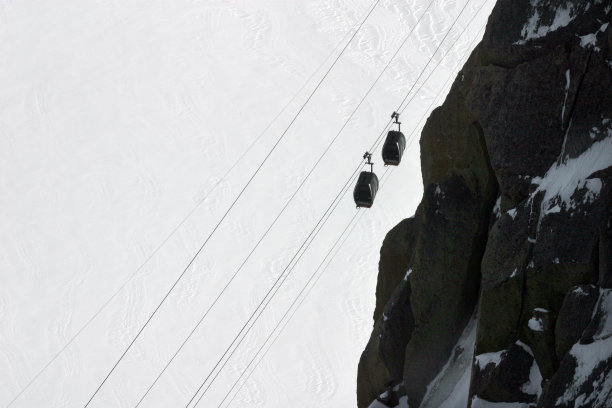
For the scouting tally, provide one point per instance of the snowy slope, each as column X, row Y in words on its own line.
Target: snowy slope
column 117, row 118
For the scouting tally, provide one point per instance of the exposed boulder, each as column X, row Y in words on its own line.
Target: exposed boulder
column 506, row 376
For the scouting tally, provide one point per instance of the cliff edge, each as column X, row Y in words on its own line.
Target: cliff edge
column 499, row 288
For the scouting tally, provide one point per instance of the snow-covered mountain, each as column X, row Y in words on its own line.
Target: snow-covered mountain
column 118, row 124
column 509, row 254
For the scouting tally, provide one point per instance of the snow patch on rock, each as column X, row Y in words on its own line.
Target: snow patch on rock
column 554, row 209
column 589, row 356
column 567, row 85
column 579, row 291
column 535, row 324
column 377, row 404
column 483, row 360
column 534, row 29
column 451, row 387
column 512, row 213
column 480, row 403
column 565, row 177
column 497, row 207
column 524, row 347
column 534, row 385
column 590, row 40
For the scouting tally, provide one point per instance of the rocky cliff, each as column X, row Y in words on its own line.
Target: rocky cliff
column 498, row 291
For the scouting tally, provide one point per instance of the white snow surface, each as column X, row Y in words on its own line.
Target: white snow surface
column 534, row 385
column 480, row 403
column 535, row 29
column 565, row 177
column 451, row 387
column 485, row 359
column 403, row 403
column 579, row 291
column 512, row 213
column 567, row 86
column 377, row 404
column 535, row 324
column 497, row 207
column 524, row 347
column 588, row 356
column 591, row 39
column 119, row 117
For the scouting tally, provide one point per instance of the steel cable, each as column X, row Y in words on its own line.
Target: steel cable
column 243, row 328
column 357, row 215
column 276, row 289
column 179, row 225
column 282, row 210
column 308, row 282
column 229, row 209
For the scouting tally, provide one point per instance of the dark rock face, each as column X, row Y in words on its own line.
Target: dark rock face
column 381, row 363
column 503, row 381
column 574, row 317
column 446, row 273
column 394, row 260
column 528, row 122
column 581, row 379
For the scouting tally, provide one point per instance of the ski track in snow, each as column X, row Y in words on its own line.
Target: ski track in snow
column 117, row 118
column 353, row 305
column 321, row 380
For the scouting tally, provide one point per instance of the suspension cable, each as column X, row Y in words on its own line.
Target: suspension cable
column 281, row 212
column 297, row 299
column 435, row 52
column 276, row 289
column 308, row 282
column 194, row 329
column 360, row 214
column 244, row 327
column 400, row 108
column 410, row 137
column 300, row 293
column 180, row 224
column 379, row 139
column 282, row 277
column 230, row 207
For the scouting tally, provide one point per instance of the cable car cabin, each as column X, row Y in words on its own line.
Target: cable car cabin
column 365, row 189
column 393, row 149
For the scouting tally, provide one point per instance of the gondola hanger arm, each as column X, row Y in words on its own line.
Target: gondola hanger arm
column 368, row 157
column 395, row 116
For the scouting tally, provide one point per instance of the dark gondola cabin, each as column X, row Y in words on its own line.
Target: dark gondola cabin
column 393, row 149
column 365, row 189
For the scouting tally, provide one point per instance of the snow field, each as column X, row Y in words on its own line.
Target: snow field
column 117, row 118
